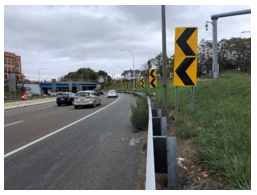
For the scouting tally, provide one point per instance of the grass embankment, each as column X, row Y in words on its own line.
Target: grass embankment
column 220, row 124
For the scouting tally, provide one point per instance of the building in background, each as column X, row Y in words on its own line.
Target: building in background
column 12, row 64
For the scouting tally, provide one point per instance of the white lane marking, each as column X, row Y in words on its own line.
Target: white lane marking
column 14, row 123
column 46, row 136
column 46, row 107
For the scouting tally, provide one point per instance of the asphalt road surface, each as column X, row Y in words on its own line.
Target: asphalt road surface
column 49, row 147
column 41, row 120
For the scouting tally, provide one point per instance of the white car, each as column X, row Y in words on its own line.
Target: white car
column 84, row 98
column 112, row 93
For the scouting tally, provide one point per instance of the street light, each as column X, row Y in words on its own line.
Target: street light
column 120, row 77
column 246, row 32
column 133, row 66
column 39, row 72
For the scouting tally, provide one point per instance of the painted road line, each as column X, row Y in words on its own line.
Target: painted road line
column 46, row 107
column 14, row 123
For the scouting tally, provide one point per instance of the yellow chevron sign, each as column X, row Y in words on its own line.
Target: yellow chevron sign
column 152, row 78
column 142, row 83
column 185, row 60
column 135, row 83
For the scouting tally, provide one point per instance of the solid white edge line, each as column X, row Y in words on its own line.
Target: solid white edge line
column 46, row 136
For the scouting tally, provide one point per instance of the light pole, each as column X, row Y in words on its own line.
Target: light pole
column 120, row 77
column 39, row 72
column 133, row 66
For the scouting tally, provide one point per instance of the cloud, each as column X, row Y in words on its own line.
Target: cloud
column 66, row 38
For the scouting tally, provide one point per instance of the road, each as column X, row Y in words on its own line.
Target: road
column 38, row 121
column 88, row 148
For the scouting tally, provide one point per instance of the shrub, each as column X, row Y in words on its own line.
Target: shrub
column 139, row 117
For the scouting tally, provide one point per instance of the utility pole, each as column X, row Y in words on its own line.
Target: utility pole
column 164, row 60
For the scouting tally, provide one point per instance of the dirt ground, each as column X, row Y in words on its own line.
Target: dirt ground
column 191, row 174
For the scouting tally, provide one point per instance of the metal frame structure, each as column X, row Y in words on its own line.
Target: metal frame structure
column 215, row 65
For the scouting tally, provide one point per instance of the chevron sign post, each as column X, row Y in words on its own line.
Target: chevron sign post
column 152, row 78
column 185, row 60
column 135, row 84
column 142, row 83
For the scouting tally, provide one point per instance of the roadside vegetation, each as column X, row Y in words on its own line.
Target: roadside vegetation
column 139, row 116
column 219, row 127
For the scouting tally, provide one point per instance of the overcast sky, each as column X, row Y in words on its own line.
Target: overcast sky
column 63, row 39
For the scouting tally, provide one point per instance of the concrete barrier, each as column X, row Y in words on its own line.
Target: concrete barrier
column 18, row 104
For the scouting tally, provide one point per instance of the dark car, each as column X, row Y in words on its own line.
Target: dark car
column 65, row 98
column 98, row 92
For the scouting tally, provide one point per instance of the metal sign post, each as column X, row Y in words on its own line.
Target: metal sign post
column 12, row 82
column 70, row 86
column 54, row 85
column 176, row 103
column 192, row 100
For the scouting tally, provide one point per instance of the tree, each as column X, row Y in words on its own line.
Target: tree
column 157, row 61
column 204, row 57
column 234, row 53
column 102, row 73
column 240, row 50
column 144, row 69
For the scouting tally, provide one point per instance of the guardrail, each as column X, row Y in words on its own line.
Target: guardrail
column 150, row 168
column 161, row 149
column 11, row 105
column 150, row 183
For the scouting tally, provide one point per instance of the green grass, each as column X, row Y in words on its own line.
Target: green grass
column 223, row 126
column 220, row 124
column 13, row 95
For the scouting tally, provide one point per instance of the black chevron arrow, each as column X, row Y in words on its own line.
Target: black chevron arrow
column 152, row 83
column 181, row 71
column 151, row 73
column 182, row 41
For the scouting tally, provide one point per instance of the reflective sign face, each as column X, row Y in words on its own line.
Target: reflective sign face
column 185, row 60
column 152, row 78
column 142, row 83
column 185, row 71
